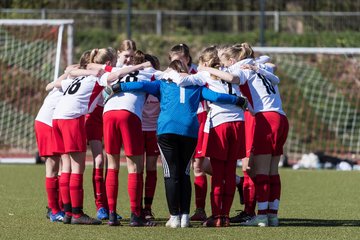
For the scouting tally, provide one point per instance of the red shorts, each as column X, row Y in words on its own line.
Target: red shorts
column 199, row 150
column 271, row 129
column 43, row 133
column 94, row 124
column 249, row 131
column 123, row 127
column 150, row 143
column 225, row 141
column 69, row 135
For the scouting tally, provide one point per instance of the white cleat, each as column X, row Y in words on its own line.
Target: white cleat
column 185, row 220
column 259, row 221
column 173, row 222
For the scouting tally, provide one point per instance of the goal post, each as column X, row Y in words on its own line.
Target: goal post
column 320, row 93
column 32, row 53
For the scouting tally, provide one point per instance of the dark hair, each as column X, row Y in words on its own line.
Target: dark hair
column 139, row 57
column 85, row 59
column 181, row 48
column 178, row 66
column 153, row 60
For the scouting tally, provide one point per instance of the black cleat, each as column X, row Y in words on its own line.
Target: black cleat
column 85, row 219
column 67, row 219
column 241, row 217
column 113, row 219
column 139, row 221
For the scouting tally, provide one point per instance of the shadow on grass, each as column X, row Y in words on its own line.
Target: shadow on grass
column 284, row 222
column 299, row 222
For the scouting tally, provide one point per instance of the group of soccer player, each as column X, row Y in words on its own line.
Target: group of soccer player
column 244, row 120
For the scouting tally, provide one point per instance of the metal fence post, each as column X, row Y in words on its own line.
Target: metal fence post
column 276, row 21
column 159, row 23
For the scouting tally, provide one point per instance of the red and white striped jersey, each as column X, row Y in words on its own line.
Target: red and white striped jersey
column 80, row 97
column 45, row 114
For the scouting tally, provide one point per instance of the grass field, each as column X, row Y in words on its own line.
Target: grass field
column 314, row 205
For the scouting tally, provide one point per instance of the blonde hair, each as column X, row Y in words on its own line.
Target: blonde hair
column 102, row 55
column 239, row 52
column 85, row 59
column 127, row 44
column 210, row 56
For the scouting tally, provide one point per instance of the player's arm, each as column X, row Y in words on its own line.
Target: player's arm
column 85, row 72
column 227, row 77
column 212, row 96
column 111, row 77
column 56, row 83
column 197, row 79
column 272, row 77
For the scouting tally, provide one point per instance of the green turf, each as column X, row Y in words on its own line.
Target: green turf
column 314, row 205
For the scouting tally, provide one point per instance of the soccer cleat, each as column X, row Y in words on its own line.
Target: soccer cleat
column 48, row 212
column 242, row 216
column 58, row 217
column 147, row 214
column 113, row 219
column 67, row 219
column 273, row 220
column 102, row 214
column 173, row 222
column 259, row 220
column 139, row 221
column 199, row 215
column 85, row 220
column 213, row 222
column 185, row 221
column 240, row 190
column 225, row 221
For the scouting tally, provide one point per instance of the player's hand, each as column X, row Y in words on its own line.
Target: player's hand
column 242, row 102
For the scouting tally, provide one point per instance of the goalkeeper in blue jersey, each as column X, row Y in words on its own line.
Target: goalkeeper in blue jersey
column 177, row 133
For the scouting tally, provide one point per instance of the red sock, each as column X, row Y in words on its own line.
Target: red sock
column 99, row 188
column 217, row 186
column 262, row 186
column 150, row 186
column 134, row 184
column 65, row 191
column 275, row 191
column 249, row 194
column 200, row 184
column 51, row 185
column 112, row 188
column 60, row 202
column 229, row 186
column 76, row 194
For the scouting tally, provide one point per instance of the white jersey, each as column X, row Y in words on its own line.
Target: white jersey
column 81, row 96
column 203, row 107
column 219, row 112
column 45, row 114
column 131, row 101
column 259, row 87
column 150, row 113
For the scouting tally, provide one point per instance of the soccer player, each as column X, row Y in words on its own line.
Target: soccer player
column 122, row 126
column 177, row 137
column 182, row 52
column 43, row 133
column 224, row 137
column 126, row 53
column 270, row 131
column 79, row 98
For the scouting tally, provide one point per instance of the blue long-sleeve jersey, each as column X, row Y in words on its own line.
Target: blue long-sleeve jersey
column 178, row 105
